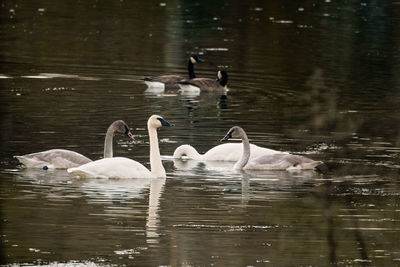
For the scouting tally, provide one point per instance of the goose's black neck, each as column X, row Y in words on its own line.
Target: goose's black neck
column 192, row 75
column 224, row 80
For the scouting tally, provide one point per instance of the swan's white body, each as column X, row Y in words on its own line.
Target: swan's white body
column 120, row 167
column 117, row 167
column 276, row 161
column 64, row 159
column 223, row 152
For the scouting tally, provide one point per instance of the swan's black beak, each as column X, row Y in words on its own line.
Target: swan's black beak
column 165, row 123
column 128, row 133
column 226, row 137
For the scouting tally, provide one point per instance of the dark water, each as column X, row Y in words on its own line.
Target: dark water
column 317, row 78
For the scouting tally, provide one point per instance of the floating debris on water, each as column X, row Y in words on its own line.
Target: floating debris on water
column 59, row 89
column 283, row 21
column 35, row 77
column 216, row 49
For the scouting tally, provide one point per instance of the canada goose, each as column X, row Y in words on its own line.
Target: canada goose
column 170, row 82
column 223, row 152
column 63, row 159
column 279, row 161
column 197, row 85
column 120, row 167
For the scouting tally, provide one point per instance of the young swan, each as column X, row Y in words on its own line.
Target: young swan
column 278, row 161
column 205, row 84
column 171, row 81
column 63, row 159
column 120, row 167
column 223, row 152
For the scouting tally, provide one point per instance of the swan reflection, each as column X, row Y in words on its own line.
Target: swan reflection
column 102, row 190
column 122, row 189
column 153, row 220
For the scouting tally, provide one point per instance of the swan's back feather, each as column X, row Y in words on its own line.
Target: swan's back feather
column 223, row 152
column 186, row 152
column 117, row 167
column 233, row 152
column 282, row 161
column 54, row 158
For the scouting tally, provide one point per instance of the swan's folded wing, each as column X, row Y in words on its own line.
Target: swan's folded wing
column 282, row 161
column 257, row 151
column 117, row 167
column 54, row 158
column 225, row 152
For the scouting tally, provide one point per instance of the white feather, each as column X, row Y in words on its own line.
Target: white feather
column 155, row 84
column 117, row 167
column 223, row 152
column 188, row 89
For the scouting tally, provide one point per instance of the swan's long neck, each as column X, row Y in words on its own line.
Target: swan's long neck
column 157, row 169
column 188, row 151
column 246, row 152
column 192, row 75
column 108, row 143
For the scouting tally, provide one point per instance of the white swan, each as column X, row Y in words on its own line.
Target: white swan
column 278, row 161
column 171, row 81
column 63, row 158
column 120, row 167
column 223, row 152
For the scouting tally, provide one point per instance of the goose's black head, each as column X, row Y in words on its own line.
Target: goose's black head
column 222, row 77
column 195, row 59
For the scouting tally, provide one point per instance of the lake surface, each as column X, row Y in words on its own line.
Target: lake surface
column 315, row 78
